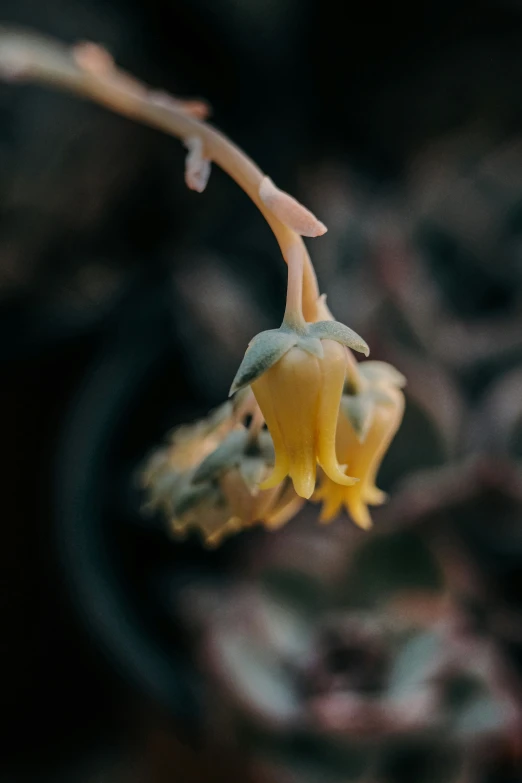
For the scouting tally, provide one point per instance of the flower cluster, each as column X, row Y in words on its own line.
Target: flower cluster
column 208, row 476
column 321, row 409
column 320, row 422
column 219, row 476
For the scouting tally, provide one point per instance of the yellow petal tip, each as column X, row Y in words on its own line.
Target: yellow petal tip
column 361, row 517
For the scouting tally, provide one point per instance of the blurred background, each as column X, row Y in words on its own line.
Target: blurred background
column 126, row 302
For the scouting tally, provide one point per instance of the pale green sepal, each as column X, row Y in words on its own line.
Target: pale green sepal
column 227, row 455
column 252, row 471
column 382, row 397
column 162, row 489
column 220, row 415
column 266, row 447
column 192, row 497
column 333, row 330
column 359, row 410
column 382, row 371
column 263, row 352
column 311, row 345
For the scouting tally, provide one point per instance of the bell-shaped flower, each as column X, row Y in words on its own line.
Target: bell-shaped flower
column 367, row 424
column 297, row 374
column 216, row 490
column 187, row 446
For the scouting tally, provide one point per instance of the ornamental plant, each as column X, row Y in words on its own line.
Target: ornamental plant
column 309, row 421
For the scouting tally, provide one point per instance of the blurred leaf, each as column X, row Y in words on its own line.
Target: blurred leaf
column 413, row 663
column 257, row 676
column 289, row 630
column 482, row 715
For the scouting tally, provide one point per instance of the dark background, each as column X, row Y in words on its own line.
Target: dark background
column 109, row 265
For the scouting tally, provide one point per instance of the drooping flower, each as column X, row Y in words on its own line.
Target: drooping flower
column 368, row 421
column 208, row 480
column 297, row 374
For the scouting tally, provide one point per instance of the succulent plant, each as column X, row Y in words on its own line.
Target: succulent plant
column 367, row 672
column 336, row 656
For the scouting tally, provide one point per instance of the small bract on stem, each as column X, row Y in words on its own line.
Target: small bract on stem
column 306, row 383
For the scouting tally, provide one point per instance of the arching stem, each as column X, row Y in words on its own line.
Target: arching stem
column 30, row 57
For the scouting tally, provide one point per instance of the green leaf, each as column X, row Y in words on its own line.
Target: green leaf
column 333, row 330
column 263, row 352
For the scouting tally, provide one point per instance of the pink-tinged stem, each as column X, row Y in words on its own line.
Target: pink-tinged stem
column 294, row 292
column 26, row 56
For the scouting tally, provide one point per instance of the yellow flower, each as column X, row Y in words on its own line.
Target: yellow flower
column 362, row 444
column 297, row 374
column 232, row 504
column 208, row 479
column 299, row 397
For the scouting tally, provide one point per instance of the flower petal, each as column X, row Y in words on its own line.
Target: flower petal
column 333, row 369
column 386, row 423
column 333, row 501
column 359, row 512
column 283, row 511
column 374, row 496
column 288, row 395
column 264, row 399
